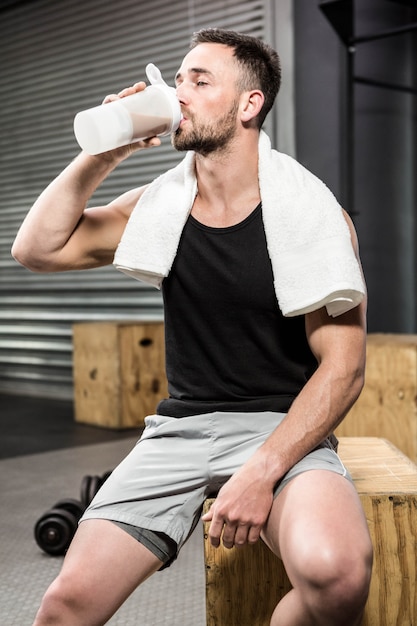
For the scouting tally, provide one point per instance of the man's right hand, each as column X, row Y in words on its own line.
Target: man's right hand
column 119, row 154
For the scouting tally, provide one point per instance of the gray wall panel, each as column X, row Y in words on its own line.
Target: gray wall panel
column 58, row 58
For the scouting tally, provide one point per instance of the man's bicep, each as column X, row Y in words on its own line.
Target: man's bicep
column 345, row 333
column 97, row 235
column 341, row 340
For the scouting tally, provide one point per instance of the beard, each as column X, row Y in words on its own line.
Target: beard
column 206, row 138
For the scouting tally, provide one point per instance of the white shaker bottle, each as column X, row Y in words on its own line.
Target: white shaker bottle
column 154, row 111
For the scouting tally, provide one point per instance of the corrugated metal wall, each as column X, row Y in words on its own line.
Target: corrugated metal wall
column 58, row 57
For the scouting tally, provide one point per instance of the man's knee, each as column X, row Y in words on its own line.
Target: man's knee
column 61, row 601
column 345, row 578
column 335, row 577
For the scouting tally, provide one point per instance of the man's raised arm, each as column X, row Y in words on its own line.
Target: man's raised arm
column 59, row 233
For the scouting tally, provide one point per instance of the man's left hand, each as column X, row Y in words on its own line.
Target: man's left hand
column 240, row 510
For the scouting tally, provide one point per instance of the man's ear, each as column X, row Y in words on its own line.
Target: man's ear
column 251, row 104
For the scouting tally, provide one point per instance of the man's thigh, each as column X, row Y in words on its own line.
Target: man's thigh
column 317, row 512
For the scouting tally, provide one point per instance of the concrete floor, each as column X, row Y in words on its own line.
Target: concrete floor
column 33, row 425
column 43, row 459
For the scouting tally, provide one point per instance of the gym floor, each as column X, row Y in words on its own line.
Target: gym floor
column 44, row 456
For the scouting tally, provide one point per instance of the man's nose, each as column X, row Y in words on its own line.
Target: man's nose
column 183, row 93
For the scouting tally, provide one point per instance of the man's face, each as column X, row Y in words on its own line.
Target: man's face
column 206, row 88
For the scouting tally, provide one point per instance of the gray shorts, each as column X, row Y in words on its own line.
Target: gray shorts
column 157, row 491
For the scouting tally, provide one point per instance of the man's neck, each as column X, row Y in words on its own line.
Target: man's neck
column 228, row 187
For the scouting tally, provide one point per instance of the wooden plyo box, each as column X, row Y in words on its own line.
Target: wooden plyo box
column 387, row 406
column 244, row 585
column 119, row 372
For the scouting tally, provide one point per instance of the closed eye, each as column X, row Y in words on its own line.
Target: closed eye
column 194, row 72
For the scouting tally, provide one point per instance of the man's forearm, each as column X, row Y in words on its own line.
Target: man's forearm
column 314, row 414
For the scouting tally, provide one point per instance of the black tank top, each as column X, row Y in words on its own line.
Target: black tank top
column 228, row 347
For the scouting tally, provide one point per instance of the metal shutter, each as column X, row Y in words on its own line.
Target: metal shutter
column 58, row 57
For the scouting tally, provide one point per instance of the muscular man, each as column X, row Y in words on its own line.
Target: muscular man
column 254, row 395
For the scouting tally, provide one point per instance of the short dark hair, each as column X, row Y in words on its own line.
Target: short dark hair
column 261, row 68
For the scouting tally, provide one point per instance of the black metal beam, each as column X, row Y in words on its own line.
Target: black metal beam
column 392, row 32
column 340, row 15
column 379, row 83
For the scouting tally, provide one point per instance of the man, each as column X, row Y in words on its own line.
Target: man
column 254, row 396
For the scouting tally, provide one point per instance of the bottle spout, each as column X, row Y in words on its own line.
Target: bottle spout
column 156, row 80
column 154, row 75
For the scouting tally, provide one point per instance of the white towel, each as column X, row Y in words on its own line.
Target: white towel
column 308, row 240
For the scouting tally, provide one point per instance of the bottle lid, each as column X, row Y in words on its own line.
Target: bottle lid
column 155, row 78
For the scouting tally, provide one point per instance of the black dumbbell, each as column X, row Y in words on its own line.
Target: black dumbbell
column 55, row 529
column 90, row 486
